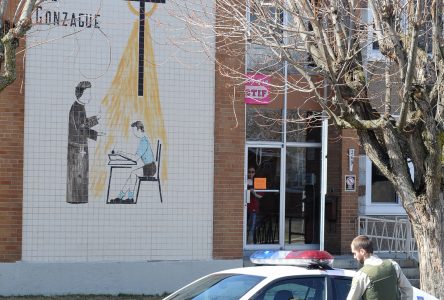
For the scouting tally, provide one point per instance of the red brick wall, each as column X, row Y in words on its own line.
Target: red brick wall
column 332, row 231
column 228, row 173
column 229, row 145
column 339, row 233
column 11, row 164
column 349, row 200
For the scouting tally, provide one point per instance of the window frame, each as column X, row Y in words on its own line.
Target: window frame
column 367, row 207
column 373, row 53
column 279, row 16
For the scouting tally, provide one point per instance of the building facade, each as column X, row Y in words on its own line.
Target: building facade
column 125, row 157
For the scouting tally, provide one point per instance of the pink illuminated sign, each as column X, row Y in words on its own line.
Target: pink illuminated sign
column 257, row 89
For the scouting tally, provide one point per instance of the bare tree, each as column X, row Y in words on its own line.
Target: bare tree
column 10, row 35
column 331, row 38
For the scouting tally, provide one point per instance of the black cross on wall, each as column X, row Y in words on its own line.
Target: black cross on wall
column 142, row 41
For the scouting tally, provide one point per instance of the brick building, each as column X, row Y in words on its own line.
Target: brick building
column 192, row 214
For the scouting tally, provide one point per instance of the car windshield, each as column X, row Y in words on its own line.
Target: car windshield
column 219, row 286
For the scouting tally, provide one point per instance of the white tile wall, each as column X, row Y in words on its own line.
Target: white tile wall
column 57, row 58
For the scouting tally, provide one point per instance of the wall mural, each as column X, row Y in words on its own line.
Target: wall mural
column 134, row 94
column 119, row 133
column 133, row 98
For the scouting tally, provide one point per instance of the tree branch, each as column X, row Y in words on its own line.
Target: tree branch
column 411, row 64
column 10, row 44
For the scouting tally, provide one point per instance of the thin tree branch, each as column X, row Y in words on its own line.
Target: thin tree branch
column 411, row 64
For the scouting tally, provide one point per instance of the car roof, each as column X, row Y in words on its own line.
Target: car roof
column 285, row 271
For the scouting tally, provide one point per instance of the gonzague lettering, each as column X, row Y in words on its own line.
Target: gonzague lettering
column 63, row 18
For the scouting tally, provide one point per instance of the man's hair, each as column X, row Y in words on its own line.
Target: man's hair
column 138, row 125
column 363, row 242
column 83, row 85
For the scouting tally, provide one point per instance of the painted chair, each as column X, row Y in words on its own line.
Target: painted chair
column 155, row 177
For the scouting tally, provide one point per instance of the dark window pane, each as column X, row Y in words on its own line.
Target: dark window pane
column 295, row 288
column 340, row 287
column 303, row 126
column 382, row 189
column 264, row 124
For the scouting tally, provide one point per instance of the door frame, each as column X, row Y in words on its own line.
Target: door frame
column 283, row 146
column 272, row 145
column 305, row 145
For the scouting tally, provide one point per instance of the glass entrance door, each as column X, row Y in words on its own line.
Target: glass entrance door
column 262, row 195
column 302, row 195
column 283, row 171
column 289, row 219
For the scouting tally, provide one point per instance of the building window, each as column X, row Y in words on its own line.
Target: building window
column 378, row 196
column 370, row 38
column 382, row 189
column 375, row 43
column 401, row 26
column 263, row 124
column 266, row 21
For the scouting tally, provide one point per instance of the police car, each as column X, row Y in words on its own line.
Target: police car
column 279, row 275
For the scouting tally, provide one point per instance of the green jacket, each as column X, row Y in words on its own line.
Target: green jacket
column 383, row 282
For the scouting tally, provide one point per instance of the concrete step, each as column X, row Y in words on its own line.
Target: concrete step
column 414, row 282
column 411, row 273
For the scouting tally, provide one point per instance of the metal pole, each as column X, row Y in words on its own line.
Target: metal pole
column 283, row 151
column 323, row 187
column 408, row 239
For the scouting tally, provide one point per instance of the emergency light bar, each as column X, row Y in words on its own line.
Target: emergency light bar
column 301, row 258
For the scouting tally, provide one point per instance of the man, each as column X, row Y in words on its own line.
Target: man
column 78, row 134
column 378, row 279
column 145, row 164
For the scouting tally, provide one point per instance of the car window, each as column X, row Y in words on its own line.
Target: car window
column 218, row 287
column 307, row 288
column 340, row 287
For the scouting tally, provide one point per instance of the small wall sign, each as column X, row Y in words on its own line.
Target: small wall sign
column 350, row 183
column 257, row 89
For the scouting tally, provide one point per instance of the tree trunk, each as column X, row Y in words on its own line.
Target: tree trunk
column 429, row 238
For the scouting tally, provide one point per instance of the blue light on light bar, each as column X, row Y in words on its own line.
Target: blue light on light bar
column 305, row 258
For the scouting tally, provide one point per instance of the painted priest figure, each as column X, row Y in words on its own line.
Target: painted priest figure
column 79, row 132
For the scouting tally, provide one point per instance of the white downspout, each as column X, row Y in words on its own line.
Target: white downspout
column 323, row 171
